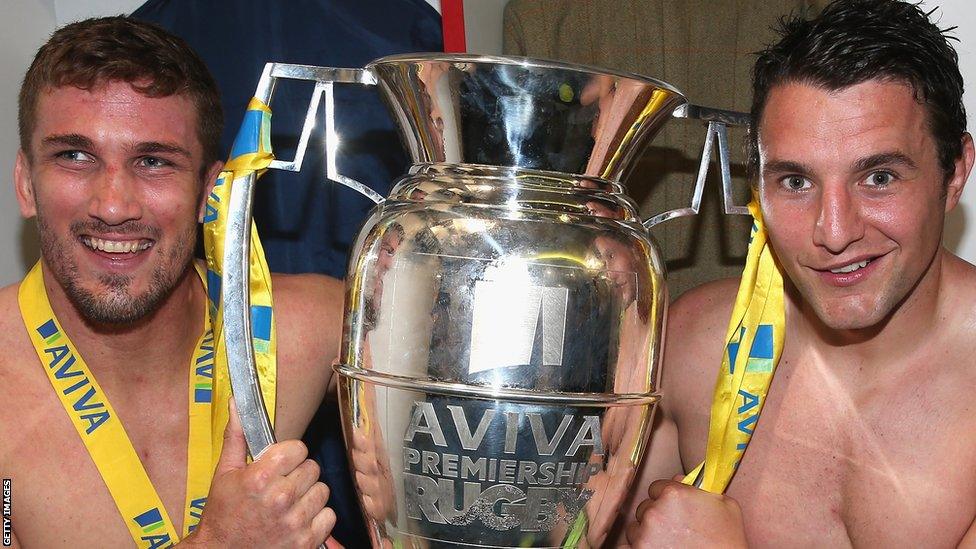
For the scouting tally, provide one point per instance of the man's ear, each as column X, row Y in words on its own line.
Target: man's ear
column 963, row 165
column 23, row 186
column 211, row 179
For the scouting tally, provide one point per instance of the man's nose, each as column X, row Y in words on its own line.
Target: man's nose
column 839, row 223
column 114, row 197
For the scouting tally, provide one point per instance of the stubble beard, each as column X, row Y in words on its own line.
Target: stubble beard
column 112, row 303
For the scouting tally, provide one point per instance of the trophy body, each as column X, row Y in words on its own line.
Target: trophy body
column 505, row 304
column 497, row 359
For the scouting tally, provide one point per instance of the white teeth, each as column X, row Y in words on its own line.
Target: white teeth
column 851, row 268
column 114, row 246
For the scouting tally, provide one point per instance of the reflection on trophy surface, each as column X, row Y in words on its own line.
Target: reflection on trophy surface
column 505, row 304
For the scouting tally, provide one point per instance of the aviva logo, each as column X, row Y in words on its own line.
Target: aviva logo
column 71, row 380
column 211, row 213
column 203, row 370
column 758, row 367
column 760, row 358
column 261, row 328
column 151, row 522
column 213, row 291
column 196, row 512
column 515, row 325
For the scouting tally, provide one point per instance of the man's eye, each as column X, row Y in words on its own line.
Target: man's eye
column 153, row 162
column 75, row 156
column 879, row 179
column 795, row 183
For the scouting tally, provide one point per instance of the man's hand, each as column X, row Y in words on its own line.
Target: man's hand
column 676, row 515
column 275, row 501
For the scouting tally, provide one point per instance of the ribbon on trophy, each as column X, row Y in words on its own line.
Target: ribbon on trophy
column 250, row 153
column 754, row 344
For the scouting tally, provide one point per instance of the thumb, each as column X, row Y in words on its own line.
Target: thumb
column 233, row 454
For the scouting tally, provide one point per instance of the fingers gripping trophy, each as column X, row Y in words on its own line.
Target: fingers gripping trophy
column 504, row 305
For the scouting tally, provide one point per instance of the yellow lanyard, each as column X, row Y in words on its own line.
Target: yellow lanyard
column 100, row 429
column 754, row 344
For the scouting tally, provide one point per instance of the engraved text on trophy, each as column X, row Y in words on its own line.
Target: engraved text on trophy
column 454, row 473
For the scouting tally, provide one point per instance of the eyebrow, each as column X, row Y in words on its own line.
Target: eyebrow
column 785, row 166
column 153, row 147
column 69, row 140
column 883, row 159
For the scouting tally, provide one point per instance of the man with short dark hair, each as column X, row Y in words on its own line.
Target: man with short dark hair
column 866, row 438
column 107, row 373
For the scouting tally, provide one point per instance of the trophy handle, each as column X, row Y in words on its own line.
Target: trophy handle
column 237, row 242
column 324, row 78
column 236, row 302
column 718, row 120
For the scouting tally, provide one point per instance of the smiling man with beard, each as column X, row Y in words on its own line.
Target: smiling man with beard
column 103, row 439
column 866, row 434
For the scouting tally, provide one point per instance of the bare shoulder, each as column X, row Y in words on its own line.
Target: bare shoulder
column 959, row 278
column 308, row 311
column 22, row 381
column 957, row 270
column 705, row 307
column 309, row 303
column 696, row 327
column 10, row 319
column 13, row 337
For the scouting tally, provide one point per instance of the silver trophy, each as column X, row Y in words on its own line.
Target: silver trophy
column 504, row 305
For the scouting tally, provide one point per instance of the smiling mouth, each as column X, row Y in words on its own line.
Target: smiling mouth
column 116, row 246
column 852, row 267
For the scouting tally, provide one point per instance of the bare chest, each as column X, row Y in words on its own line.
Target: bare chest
column 881, row 466
column 59, row 496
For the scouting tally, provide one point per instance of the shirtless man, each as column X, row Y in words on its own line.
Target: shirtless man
column 119, row 129
column 867, row 437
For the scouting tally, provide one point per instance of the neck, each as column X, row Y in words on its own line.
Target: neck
column 910, row 321
column 156, row 343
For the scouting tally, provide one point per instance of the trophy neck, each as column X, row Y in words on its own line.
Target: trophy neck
column 561, row 197
column 524, row 114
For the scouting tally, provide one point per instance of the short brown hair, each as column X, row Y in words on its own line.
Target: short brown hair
column 96, row 51
column 854, row 41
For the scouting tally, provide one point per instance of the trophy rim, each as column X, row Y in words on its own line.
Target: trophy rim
column 533, row 62
column 485, row 392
